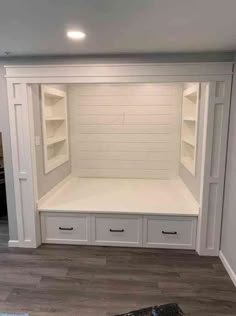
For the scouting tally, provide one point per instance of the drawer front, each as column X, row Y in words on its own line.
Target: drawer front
column 61, row 228
column 169, row 232
column 117, row 230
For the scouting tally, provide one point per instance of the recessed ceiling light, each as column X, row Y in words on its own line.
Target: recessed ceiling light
column 76, row 35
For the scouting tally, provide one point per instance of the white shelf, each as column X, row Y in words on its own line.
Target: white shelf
column 54, row 140
column 192, row 91
column 189, row 119
column 189, row 127
column 53, row 93
column 55, row 127
column 55, row 118
column 189, row 141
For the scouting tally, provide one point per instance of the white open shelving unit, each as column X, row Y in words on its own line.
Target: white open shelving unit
column 189, row 127
column 55, row 127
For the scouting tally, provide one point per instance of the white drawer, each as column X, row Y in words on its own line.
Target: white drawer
column 120, row 230
column 169, row 232
column 61, row 228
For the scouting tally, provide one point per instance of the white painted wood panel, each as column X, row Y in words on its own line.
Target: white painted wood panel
column 116, row 155
column 125, row 130
column 117, row 230
column 120, row 100
column 127, row 173
column 58, row 228
column 131, row 147
column 127, row 90
column 169, row 232
column 19, row 114
column 128, row 129
column 125, row 164
column 123, row 119
column 129, row 110
column 121, row 138
column 214, row 157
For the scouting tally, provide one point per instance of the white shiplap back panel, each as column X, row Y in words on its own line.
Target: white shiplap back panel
column 125, row 130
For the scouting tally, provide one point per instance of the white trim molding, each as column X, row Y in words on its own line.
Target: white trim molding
column 228, row 268
column 116, row 70
column 13, row 244
column 21, row 244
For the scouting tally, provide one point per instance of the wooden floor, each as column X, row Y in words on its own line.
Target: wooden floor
column 4, row 234
column 79, row 280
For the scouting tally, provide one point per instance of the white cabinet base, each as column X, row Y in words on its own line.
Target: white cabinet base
column 177, row 232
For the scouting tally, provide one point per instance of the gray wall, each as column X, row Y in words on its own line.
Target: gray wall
column 193, row 182
column 45, row 181
column 228, row 237
column 4, row 121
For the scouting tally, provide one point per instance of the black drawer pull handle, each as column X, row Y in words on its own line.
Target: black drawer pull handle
column 169, row 233
column 65, row 228
column 117, row 230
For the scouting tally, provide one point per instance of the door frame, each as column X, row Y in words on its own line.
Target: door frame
column 19, row 77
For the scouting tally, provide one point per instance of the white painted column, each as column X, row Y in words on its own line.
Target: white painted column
column 213, row 173
column 22, row 165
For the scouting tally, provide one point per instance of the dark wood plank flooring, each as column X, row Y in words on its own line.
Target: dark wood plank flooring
column 77, row 280
column 4, row 232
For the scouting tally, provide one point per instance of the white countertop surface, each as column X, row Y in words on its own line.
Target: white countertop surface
column 128, row 196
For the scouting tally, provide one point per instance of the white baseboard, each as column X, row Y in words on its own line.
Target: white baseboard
column 13, row 243
column 24, row 244
column 228, row 268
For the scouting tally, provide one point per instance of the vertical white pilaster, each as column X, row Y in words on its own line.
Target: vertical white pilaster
column 213, row 173
column 22, row 164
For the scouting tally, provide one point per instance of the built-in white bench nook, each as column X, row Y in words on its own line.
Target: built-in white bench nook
column 121, row 155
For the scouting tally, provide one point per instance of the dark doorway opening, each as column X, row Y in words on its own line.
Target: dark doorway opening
column 4, row 234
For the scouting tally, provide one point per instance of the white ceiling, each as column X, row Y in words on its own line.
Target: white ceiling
column 37, row 27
